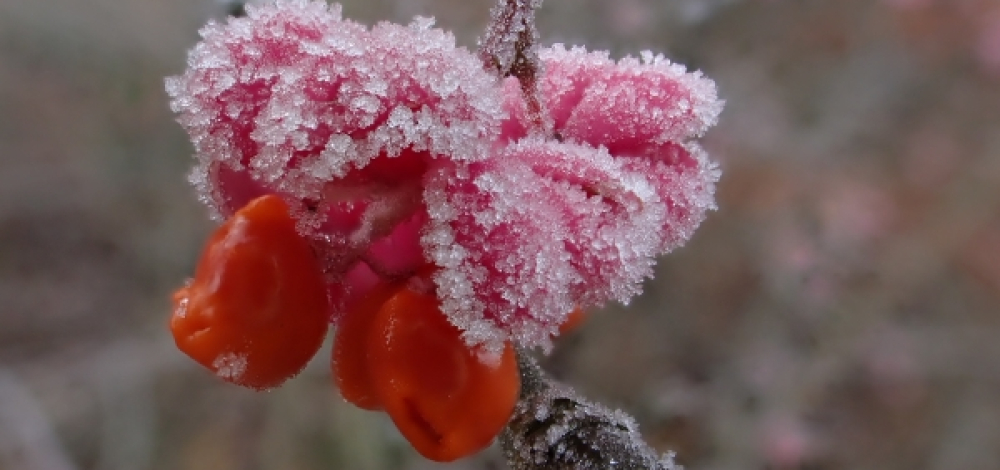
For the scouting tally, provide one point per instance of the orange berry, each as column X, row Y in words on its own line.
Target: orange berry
column 350, row 349
column 256, row 310
column 443, row 399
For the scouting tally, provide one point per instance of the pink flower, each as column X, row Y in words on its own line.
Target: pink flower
column 397, row 149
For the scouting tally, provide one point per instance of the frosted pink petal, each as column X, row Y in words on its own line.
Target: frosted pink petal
column 541, row 228
column 296, row 96
column 646, row 113
column 684, row 178
column 497, row 237
column 515, row 126
column 235, row 97
column 627, row 106
column 614, row 218
column 340, row 120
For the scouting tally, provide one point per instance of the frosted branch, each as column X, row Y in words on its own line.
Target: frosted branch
column 510, row 48
column 553, row 427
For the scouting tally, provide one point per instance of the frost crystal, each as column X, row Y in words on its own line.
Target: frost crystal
column 396, row 149
column 230, row 366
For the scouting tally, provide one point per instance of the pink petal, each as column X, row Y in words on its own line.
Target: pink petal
column 629, row 105
column 294, row 100
column 540, row 229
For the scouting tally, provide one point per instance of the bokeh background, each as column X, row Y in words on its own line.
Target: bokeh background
column 841, row 310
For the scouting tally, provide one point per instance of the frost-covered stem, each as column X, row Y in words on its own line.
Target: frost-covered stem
column 509, row 48
column 553, row 427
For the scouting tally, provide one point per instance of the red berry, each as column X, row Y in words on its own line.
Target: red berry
column 350, row 350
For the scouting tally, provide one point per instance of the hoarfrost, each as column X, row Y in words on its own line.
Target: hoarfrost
column 230, row 366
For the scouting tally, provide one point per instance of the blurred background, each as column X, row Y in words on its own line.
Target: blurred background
column 841, row 310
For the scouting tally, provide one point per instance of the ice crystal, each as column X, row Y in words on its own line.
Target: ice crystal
column 230, row 366
column 549, row 179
